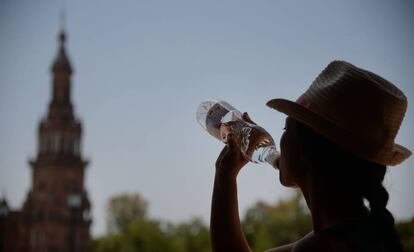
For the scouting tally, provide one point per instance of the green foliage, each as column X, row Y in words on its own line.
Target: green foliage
column 109, row 243
column 193, row 236
column 152, row 236
column 265, row 225
column 130, row 230
column 124, row 209
column 405, row 231
column 140, row 235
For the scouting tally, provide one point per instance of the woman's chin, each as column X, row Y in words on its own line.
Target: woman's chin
column 287, row 183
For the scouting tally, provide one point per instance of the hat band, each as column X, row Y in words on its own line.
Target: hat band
column 303, row 102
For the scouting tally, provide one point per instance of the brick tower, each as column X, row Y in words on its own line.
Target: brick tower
column 56, row 212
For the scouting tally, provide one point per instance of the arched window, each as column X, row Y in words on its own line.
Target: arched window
column 65, row 142
column 58, row 143
column 54, row 143
column 48, row 143
column 76, row 146
column 41, row 145
column 44, row 144
column 69, row 145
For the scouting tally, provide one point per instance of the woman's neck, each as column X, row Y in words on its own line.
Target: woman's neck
column 329, row 209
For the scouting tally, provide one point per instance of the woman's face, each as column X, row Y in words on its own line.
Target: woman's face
column 290, row 155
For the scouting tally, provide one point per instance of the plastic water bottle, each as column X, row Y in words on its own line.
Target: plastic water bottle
column 220, row 118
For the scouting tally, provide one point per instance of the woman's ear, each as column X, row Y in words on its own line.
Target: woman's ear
column 305, row 152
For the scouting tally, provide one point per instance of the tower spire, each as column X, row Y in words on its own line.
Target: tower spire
column 63, row 17
column 56, row 213
column 62, row 34
column 61, row 63
column 61, row 106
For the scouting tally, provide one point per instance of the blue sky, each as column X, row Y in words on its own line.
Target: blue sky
column 142, row 68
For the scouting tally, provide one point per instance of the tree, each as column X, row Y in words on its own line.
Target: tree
column 124, row 209
column 268, row 225
column 192, row 236
column 139, row 235
column 405, row 231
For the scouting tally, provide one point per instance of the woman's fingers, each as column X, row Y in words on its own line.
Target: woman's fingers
column 247, row 118
column 225, row 130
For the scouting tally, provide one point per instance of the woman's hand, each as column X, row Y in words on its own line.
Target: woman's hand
column 231, row 160
column 225, row 228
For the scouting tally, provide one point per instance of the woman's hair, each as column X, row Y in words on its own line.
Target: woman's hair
column 347, row 175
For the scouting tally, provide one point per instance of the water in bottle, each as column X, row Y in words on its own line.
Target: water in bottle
column 220, row 118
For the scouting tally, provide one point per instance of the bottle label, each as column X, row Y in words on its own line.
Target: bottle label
column 215, row 116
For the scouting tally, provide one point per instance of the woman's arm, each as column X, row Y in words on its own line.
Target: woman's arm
column 225, row 228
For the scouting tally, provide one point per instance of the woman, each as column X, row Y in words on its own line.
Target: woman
column 338, row 140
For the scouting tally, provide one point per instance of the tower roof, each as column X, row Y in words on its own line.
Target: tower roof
column 61, row 62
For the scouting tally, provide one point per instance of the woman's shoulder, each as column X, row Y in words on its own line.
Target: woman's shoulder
column 291, row 246
column 316, row 242
column 322, row 242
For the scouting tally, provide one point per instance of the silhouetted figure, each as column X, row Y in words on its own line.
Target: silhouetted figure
column 338, row 140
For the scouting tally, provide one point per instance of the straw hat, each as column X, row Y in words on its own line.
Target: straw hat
column 354, row 108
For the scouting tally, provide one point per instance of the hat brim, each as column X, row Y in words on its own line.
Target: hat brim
column 349, row 141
